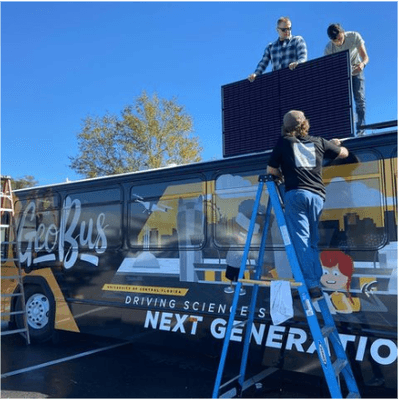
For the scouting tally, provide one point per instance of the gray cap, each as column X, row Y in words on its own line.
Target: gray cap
column 293, row 119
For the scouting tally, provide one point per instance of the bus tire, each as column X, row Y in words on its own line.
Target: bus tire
column 40, row 312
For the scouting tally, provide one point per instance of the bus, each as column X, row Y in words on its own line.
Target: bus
column 142, row 256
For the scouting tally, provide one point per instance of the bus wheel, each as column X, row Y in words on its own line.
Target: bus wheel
column 40, row 311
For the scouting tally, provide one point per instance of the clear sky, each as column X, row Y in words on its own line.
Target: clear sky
column 63, row 61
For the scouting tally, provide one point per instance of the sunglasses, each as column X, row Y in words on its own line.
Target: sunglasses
column 284, row 29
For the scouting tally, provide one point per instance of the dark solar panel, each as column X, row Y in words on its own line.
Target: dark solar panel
column 253, row 112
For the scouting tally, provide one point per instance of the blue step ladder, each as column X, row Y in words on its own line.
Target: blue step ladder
column 332, row 370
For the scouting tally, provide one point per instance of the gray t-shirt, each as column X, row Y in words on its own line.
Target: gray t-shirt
column 352, row 42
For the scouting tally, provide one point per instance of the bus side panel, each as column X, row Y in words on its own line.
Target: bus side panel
column 148, row 256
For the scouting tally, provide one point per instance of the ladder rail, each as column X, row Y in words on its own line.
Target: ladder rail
column 331, row 370
column 255, row 289
column 321, row 346
column 236, row 296
column 7, row 195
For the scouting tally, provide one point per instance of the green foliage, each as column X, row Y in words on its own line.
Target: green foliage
column 26, row 181
column 151, row 133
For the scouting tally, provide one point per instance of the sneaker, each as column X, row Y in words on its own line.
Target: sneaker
column 360, row 133
column 316, row 293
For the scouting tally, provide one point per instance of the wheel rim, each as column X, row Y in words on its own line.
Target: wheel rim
column 38, row 309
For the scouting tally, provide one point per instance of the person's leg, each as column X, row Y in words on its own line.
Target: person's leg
column 296, row 215
column 316, row 209
column 359, row 94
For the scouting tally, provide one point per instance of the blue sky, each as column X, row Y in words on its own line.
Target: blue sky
column 63, row 61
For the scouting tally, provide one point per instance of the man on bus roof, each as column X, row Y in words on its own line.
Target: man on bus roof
column 352, row 41
column 286, row 51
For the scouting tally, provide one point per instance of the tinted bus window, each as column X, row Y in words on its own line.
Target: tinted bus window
column 234, row 199
column 97, row 196
column 168, row 215
column 38, row 229
column 354, row 211
column 95, row 218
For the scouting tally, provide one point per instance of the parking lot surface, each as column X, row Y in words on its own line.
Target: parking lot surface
column 84, row 366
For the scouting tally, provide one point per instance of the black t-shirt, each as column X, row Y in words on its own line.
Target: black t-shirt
column 301, row 160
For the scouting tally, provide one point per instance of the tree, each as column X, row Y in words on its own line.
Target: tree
column 26, row 181
column 151, row 133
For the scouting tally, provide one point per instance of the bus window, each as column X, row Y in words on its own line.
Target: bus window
column 97, row 216
column 168, row 215
column 354, row 211
column 38, row 228
column 234, row 199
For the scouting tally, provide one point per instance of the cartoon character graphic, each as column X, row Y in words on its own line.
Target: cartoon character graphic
column 337, row 275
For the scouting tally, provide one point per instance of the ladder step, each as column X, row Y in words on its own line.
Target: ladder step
column 3, row 242
column 11, row 295
column 339, row 365
column 240, row 324
column 268, row 282
column 13, row 331
column 10, row 260
column 12, row 277
column 353, row 395
column 230, row 381
column 4, row 226
column 6, row 210
column 12, row 313
column 327, row 330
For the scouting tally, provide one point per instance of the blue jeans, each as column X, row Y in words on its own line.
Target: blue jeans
column 302, row 213
column 359, row 93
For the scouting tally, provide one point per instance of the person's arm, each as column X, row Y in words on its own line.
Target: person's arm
column 343, row 150
column 343, row 153
column 274, row 171
column 262, row 65
column 365, row 58
column 361, row 48
column 302, row 52
column 328, row 49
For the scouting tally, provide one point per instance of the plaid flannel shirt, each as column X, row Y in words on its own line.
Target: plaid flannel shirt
column 283, row 53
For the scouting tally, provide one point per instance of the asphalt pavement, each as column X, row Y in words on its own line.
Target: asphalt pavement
column 84, row 366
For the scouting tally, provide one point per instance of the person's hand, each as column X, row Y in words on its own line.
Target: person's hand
column 336, row 141
column 251, row 77
column 357, row 68
column 293, row 65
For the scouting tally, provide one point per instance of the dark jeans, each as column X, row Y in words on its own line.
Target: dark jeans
column 359, row 93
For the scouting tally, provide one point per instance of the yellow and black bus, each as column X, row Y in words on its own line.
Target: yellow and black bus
column 142, row 256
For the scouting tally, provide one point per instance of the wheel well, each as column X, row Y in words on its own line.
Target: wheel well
column 36, row 281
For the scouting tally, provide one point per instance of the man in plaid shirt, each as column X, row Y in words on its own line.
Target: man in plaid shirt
column 286, row 51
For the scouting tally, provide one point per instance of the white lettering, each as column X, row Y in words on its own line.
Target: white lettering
column 346, row 338
column 258, row 335
column 273, row 335
column 179, row 323
column 218, row 329
column 195, row 321
column 296, row 337
column 361, row 348
column 391, row 356
column 151, row 319
column 44, row 238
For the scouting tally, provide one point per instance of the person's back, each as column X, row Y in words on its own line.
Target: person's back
column 298, row 158
column 301, row 161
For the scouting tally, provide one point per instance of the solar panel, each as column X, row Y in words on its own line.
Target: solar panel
column 252, row 112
